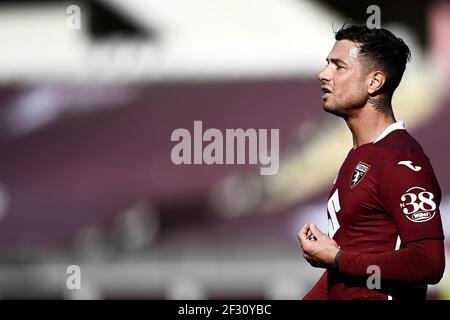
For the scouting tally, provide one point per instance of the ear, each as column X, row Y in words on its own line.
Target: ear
column 376, row 81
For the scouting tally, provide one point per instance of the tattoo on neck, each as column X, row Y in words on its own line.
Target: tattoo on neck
column 382, row 106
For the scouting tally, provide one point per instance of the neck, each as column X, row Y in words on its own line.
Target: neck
column 368, row 124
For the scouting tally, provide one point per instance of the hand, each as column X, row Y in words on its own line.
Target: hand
column 320, row 252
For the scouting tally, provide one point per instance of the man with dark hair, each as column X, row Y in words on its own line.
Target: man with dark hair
column 383, row 209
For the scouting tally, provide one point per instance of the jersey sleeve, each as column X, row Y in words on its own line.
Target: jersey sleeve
column 410, row 193
column 421, row 261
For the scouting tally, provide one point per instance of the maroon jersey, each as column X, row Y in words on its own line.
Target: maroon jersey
column 385, row 196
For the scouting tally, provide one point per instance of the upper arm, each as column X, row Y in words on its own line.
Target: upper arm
column 410, row 193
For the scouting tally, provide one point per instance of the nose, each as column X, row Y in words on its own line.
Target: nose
column 324, row 75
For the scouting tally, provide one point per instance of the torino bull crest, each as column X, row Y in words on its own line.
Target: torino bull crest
column 359, row 173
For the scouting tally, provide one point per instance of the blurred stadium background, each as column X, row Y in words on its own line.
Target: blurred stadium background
column 86, row 116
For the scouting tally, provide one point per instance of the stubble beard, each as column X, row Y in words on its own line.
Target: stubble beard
column 335, row 110
column 330, row 109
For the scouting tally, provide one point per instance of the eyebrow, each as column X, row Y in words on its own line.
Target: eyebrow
column 336, row 61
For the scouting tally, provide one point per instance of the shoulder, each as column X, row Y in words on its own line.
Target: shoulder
column 404, row 161
column 401, row 149
column 400, row 141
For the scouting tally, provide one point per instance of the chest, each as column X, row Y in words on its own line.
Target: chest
column 354, row 197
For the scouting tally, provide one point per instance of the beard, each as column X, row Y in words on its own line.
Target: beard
column 343, row 109
column 333, row 109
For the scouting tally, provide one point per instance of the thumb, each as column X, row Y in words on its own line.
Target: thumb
column 316, row 231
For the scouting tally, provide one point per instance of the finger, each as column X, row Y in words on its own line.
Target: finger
column 307, row 256
column 307, row 245
column 303, row 242
column 303, row 232
column 316, row 231
column 311, row 237
column 306, row 228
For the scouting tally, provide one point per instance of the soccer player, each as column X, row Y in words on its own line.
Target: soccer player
column 383, row 209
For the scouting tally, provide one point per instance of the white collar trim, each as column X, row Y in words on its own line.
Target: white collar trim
column 399, row 125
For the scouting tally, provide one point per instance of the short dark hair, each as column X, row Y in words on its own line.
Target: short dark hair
column 381, row 48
